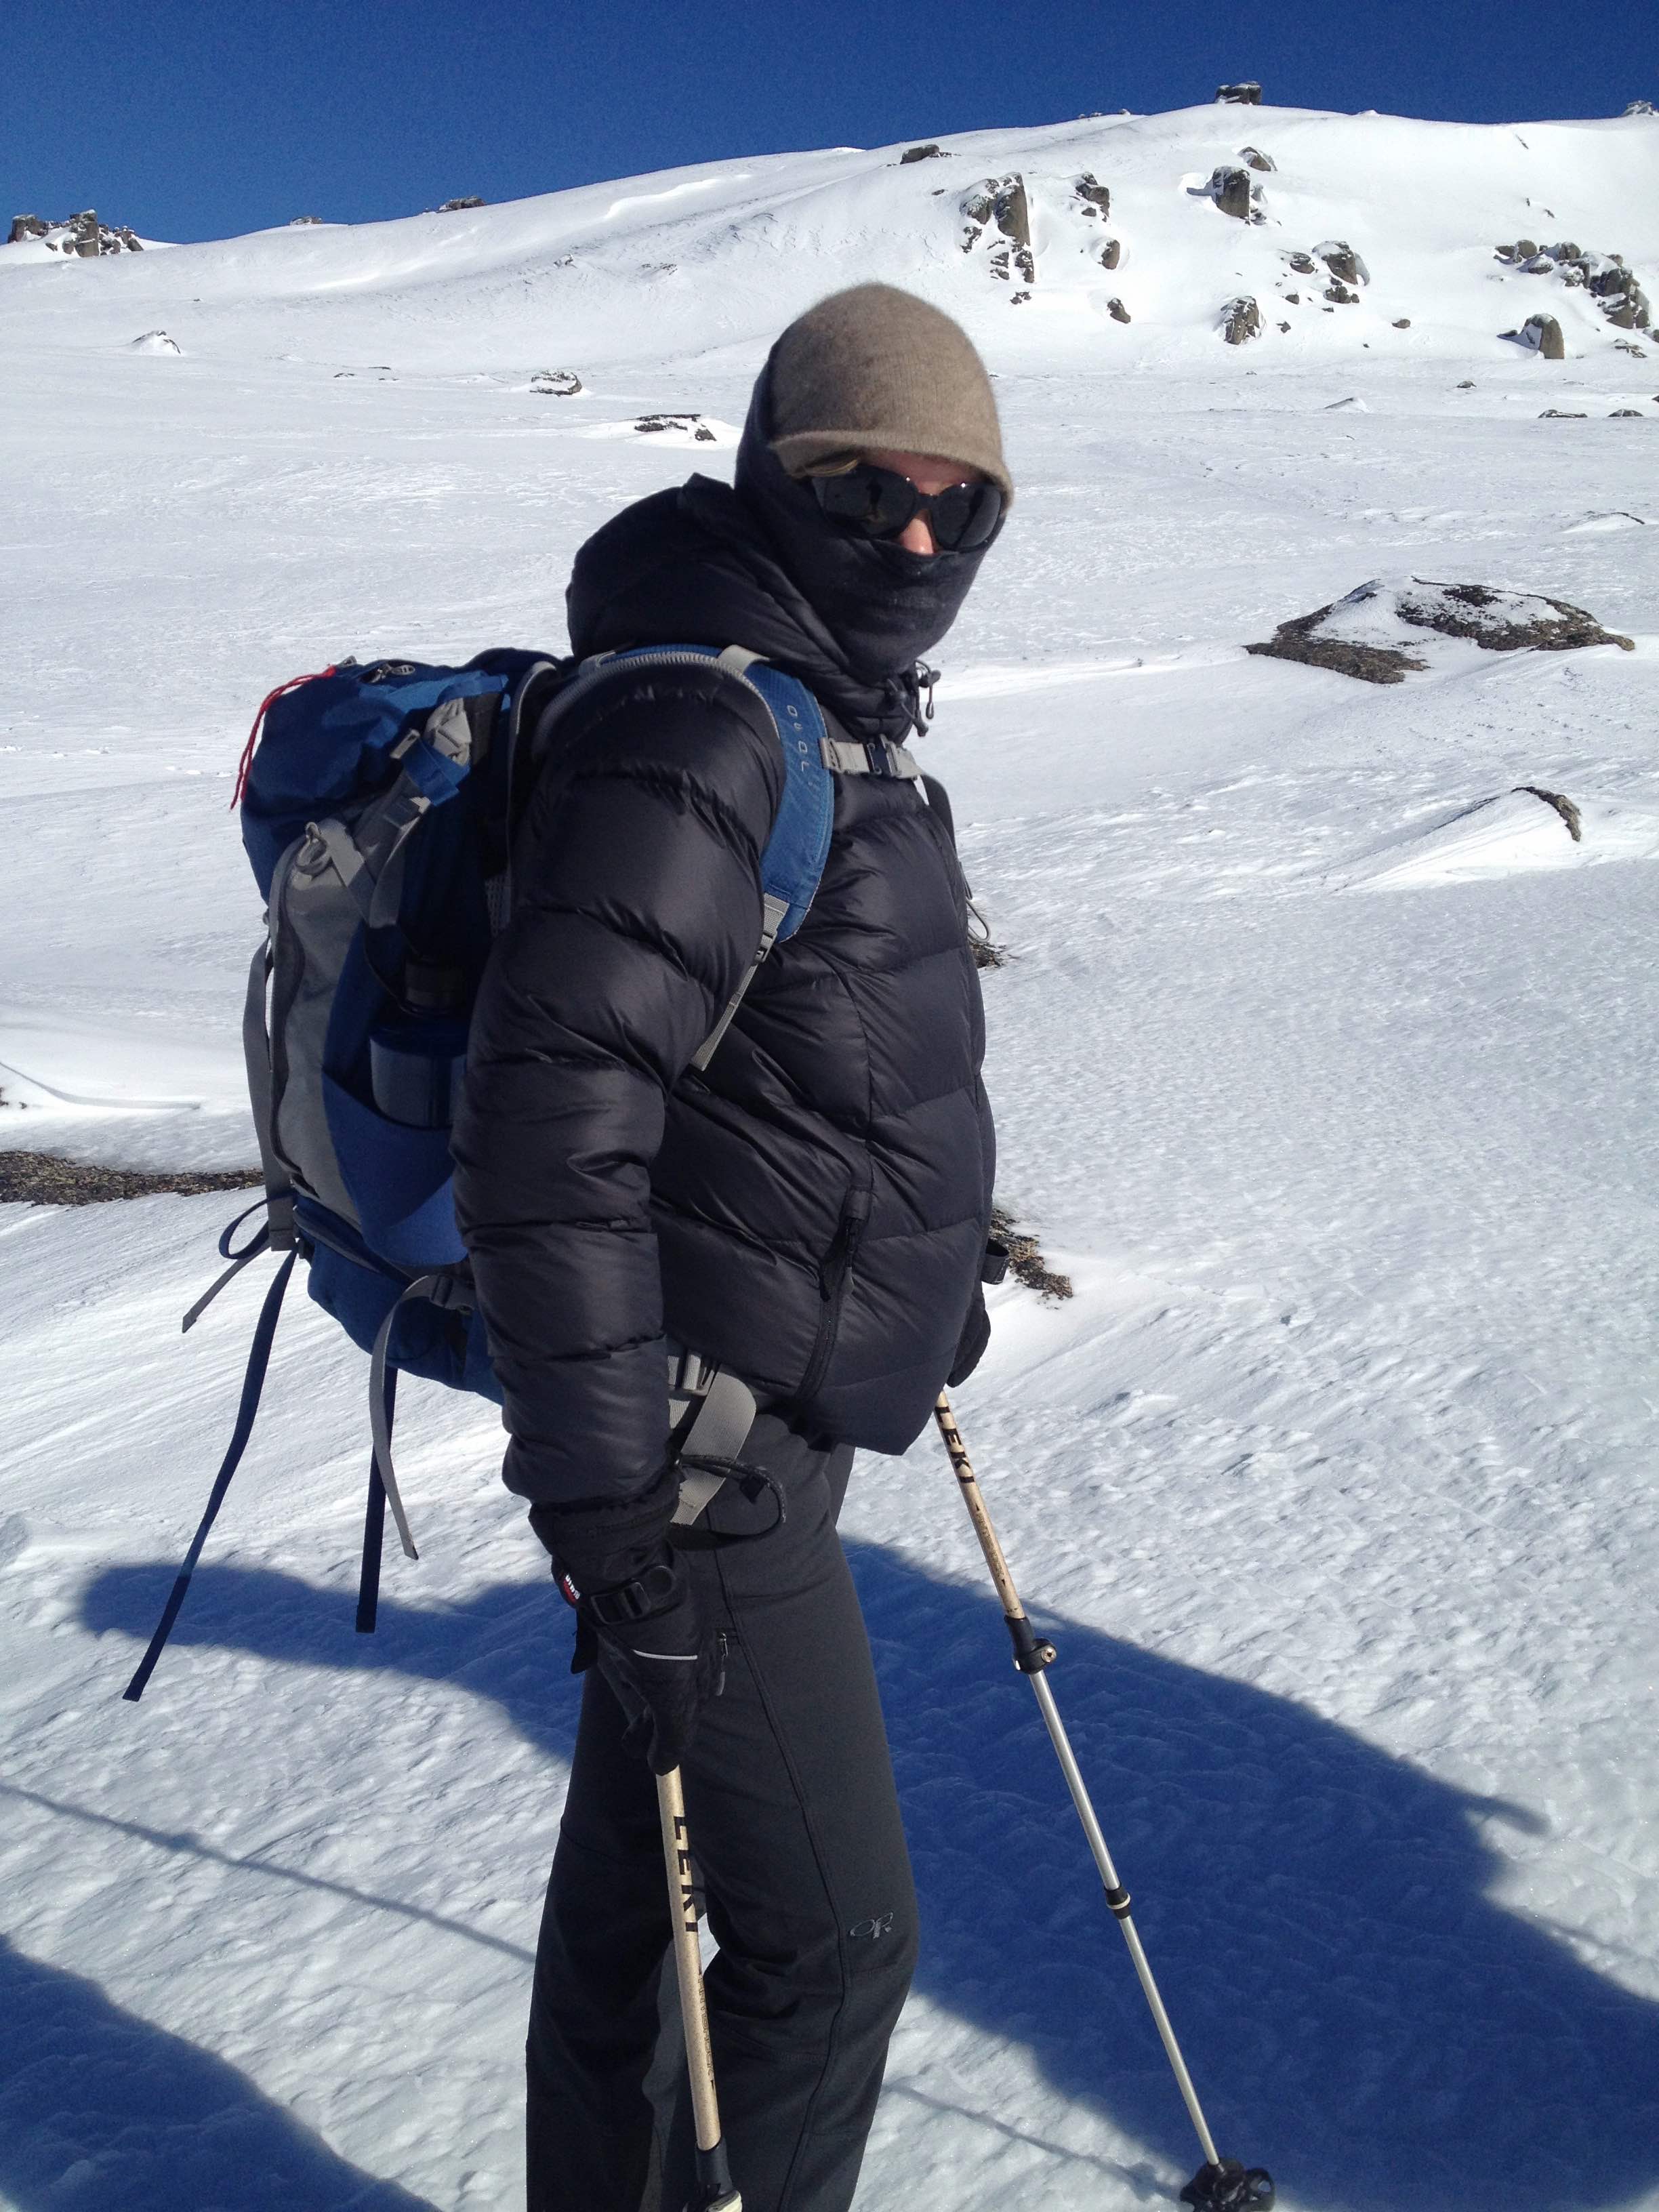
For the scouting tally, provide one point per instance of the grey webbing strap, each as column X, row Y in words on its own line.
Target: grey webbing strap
column 774, row 910
column 881, row 756
column 720, row 1431
column 378, row 1426
column 256, row 1057
column 262, row 1245
column 737, row 659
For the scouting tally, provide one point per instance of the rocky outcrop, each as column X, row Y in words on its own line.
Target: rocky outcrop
column 1254, row 158
column 1378, row 633
column 1241, row 321
column 1001, row 201
column 302, row 221
column 1403, row 323
column 82, row 234
column 1117, row 311
column 1111, row 253
column 927, row 153
column 1095, row 197
column 1607, row 278
column 1541, row 334
column 454, row 207
column 1642, row 107
column 556, row 383
column 1239, row 96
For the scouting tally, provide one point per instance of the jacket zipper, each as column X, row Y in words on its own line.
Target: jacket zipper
column 833, row 1278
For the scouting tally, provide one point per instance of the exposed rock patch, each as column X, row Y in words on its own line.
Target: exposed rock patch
column 927, row 153
column 1254, row 158
column 692, row 424
column 1025, row 1262
column 1239, row 96
column 155, row 341
column 556, row 383
column 1241, row 321
column 1380, row 632
column 1096, row 197
column 42, row 1179
column 1111, row 253
column 302, row 221
column 1564, row 807
column 1117, row 311
column 454, row 207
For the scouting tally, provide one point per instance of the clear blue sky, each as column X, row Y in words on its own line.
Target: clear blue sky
column 201, row 118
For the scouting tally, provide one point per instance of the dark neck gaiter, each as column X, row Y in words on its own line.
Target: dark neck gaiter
column 883, row 606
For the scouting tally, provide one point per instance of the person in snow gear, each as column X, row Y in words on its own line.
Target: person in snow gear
column 767, row 1260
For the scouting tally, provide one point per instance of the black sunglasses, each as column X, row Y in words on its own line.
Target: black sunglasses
column 880, row 503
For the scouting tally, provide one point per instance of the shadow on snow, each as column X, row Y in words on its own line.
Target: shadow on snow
column 1357, row 2013
column 100, row 2109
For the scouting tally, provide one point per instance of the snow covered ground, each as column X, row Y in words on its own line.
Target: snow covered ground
column 1323, row 1063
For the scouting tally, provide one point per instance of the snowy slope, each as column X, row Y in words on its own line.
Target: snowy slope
column 1322, row 1062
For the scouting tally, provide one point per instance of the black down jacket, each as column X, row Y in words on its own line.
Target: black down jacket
column 813, row 1210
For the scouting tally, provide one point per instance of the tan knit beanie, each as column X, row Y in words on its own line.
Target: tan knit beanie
column 875, row 366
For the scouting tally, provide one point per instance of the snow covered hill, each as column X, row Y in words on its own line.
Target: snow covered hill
column 1028, row 237
column 1323, row 1063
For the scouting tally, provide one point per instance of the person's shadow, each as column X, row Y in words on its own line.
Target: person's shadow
column 1357, row 2012
column 102, row 2112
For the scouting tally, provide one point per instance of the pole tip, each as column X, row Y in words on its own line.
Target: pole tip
column 1227, row 2185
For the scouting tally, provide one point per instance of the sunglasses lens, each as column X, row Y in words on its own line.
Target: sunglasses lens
column 965, row 516
column 875, row 500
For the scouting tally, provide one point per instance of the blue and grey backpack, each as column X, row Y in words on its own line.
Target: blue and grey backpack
column 379, row 814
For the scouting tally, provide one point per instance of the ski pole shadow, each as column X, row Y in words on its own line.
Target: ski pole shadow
column 1358, row 2013
column 100, row 2109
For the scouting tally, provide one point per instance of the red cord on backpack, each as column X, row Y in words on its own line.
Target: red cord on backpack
column 270, row 700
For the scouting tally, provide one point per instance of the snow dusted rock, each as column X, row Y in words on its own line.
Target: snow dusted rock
column 1233, row 192
column 1541, row 334
column 155, row 342
column 1566, row 807
column 1096, row 197
column 1111, row 253
column 1563, row 415
column 1606, row 278
column 304, row 221
column 1241, row 321
column 928, row 153
column 1002, row 201
column 1239, row 95
column 1381, row 632
column 1642, row 107
column 687, row 426
column 1344, row 264
column 1254, row 158
column 454, row 207
column 556, row 383
column 1117, row 311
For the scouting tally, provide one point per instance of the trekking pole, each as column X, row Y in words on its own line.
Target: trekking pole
column 714, row 2190
column 1221, row 2185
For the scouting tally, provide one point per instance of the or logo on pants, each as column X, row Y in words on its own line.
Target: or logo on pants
column 879, row 1923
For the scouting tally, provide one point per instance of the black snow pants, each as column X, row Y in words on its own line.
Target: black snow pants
column 795, row 1829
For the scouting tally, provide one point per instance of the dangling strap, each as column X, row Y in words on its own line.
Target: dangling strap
column 259, row 1242
column 368, row 1581
column 254, row 1381
column 379, row 1414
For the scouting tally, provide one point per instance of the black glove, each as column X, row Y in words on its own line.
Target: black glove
column 970, row 1344
column 637, row 1617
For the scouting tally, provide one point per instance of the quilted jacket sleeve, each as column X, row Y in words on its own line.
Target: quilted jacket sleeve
column 636, row 910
